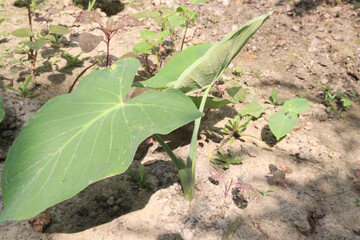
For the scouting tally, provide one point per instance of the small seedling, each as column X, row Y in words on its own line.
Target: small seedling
column 264, row 192
column 23, row 88
column 140, row 176
column 273, row 99
column 234, row 128
column 358, row 202
column 338, row 101
column 71, row 60
column 170, row 19
column 225, row 159
column 296, row 223
column 243, row 193
column 319, row 198
column 33, row 42
column 278, row 175
column 151, row 43
column 238, row 70
column 89, row 42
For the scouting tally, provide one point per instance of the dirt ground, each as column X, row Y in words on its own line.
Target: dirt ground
column 305, row 46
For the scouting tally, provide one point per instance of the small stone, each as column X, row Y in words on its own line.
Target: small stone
column 93, row 215
column 6, row 134
column 213, row 181
column 324, row 81
column 116, row 208
column 308, row 126
column 111, row 201
column 40, row 222
column 126, row 206
column 295, row 28
column 222, row 223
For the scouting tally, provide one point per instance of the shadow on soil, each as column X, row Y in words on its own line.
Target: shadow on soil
column 307, row 6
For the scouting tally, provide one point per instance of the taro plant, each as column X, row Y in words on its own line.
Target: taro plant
column 2, row 110
column 89, row 42
column 92, row 134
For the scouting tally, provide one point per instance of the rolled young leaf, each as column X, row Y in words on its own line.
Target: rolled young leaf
column 198, row 67
column 173, row 69
column 205, row 71
column 85, row 136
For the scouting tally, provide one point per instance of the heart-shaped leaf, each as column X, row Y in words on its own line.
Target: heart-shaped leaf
column 22, row 32
column 142, row 48
column 85, row 136
column 282, row 122
column 58, row 30
column 253, row 109
column 89, row 42
column 296, row 105
column 36, row 45
column 147, row 35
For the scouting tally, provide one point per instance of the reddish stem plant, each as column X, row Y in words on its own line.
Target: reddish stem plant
column 89, row 42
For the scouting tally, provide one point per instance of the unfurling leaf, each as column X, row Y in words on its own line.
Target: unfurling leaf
column 89, row 42
column 198, row 67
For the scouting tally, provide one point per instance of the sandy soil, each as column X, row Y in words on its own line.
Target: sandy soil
column 304, row 47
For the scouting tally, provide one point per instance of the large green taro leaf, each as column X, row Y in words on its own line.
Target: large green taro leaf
column 82, row 137
column 202, row 73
